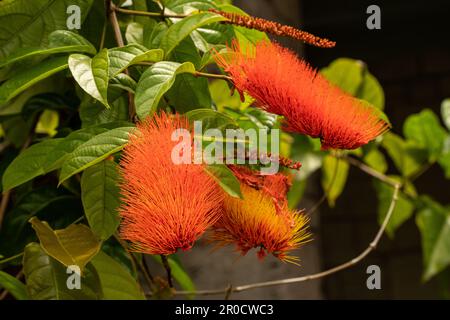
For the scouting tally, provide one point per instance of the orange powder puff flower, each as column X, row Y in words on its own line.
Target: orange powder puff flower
column 283, row 84
column 254, row 223
column 167, row 206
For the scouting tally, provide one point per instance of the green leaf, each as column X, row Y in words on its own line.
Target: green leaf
column 375, row 158
column 434, row 224
column 94, row 113
column 92, row 74
column 74, row 245
column 404, row 207
column 46, row 278
column 444, row 159
column 116, row 282
column 156, row 81
column 25, row 79
column 371, row 91
column 123, row 57
column 60, row 41
column 445, row 112
column 225, row 178
column 29, row 164
column 94, row 151
column 406, row 155
column 66, row 146
column 124, row 82
column 245, row 36
column 11, row 284
column 334, row 177
column 188, row 92
column 134, row 33
column 222, row 97
column 211, row 119
column 424, row 128
column 180, row 30
column 100, row 196
column 28, row 23
column 345, row 73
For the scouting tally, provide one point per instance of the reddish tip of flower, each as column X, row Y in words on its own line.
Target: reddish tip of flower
column 274, row 28
column 255, row 223
column 283, row 84
column 166, row 206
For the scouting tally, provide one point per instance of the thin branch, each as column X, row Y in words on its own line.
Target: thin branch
column 11, row 258
column 319, row 275
column 372, row 172
column 212, row 75
column 161, row 14
column 168, row 270
column 111, row 9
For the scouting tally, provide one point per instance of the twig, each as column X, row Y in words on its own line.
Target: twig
column 365, row 168
column 319, row 275
column 168, row 270
column 212, row 75
column 111, row 9
column 11, row 258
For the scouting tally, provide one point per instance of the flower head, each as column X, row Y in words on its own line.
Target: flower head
column 167, row 206
column 255, row 223
column 283, row 84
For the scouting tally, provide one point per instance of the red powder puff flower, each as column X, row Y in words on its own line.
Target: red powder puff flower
column 167, row 206
column 283, row 84
column 255, row 223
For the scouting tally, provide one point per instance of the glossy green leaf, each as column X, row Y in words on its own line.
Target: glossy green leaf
column 225, row 178
column 188, row 92
column 28, row 23
column 66, row 146
column 124, row 82
column 434, row 224
column 61, row 41
column 424, row 128
column 117, row 283
column 14, row 286
column 94, row 151
column 123, row 57
column 92, row 74
column 211, row 119
column 46, row 278
column 375, row 158
column 156, row 81
column 404, row 207
column 371, row 91
column 29, row 164
column 74, row 245
column 444, row 159
column 134, row 33
column 100, row 196
column 445, row 112
column 345, row 73
column 25, row 79
column 406, row 155
column 180, row 30
column 334, row 177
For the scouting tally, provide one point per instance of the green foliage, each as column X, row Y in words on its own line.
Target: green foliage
column 67, row 104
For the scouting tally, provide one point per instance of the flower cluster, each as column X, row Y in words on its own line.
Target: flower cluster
column 285, row 85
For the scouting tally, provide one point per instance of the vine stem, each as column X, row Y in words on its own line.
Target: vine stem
column 314, row 276
column 111, row 9
column 168, row 270
column 212, row 75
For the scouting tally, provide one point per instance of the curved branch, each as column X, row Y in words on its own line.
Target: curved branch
column 314, row 276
